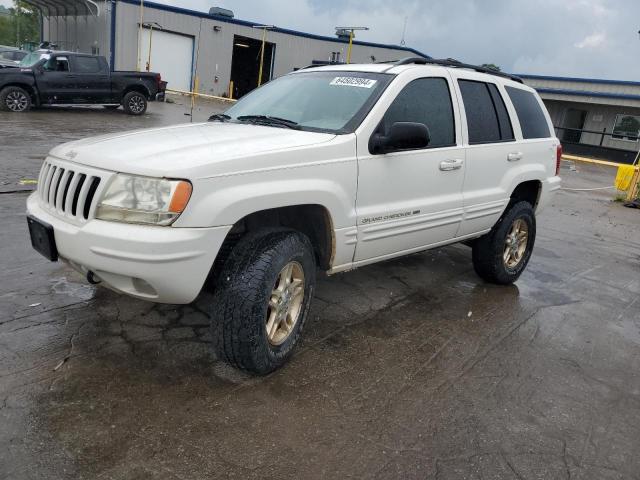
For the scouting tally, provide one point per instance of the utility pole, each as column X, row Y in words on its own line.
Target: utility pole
column 342, row 32
column 264, row 39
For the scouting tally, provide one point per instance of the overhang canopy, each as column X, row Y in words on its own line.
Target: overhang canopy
column 63, row 8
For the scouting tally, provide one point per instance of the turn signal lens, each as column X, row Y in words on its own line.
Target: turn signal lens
column 558, row 158
column 180, row 197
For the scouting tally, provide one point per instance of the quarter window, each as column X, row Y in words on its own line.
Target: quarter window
column 487, row 117
column 532, row 120
column 427, row 101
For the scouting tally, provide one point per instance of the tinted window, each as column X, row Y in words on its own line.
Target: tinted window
column 86, row 65
column 482, row 118
column 506, row 132
column 532, row 120
column 428, row 101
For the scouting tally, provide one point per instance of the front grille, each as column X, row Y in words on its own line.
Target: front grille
column 67, row 191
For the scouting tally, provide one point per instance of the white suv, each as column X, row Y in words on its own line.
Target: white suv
column 332, row 168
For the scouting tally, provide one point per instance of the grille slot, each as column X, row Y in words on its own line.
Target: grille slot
column 76, row 195
column 67, row 191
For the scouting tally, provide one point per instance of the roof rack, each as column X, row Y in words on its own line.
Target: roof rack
column 451, row 62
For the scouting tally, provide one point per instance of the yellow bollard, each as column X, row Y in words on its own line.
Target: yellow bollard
column 624, row 177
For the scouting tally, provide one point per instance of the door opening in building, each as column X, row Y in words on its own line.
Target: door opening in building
column 573, row 123
column 245, row 64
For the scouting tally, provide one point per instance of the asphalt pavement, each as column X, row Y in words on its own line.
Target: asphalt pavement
column 411, row 368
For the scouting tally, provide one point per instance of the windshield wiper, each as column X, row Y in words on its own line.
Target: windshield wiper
column 269, row 120
column 219, row 117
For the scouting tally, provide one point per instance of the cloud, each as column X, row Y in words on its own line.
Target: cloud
column 592, row 41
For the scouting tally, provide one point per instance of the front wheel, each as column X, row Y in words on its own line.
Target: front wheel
column 15, row 99
column 501, row 255
column 261, row 300
column 134, row 103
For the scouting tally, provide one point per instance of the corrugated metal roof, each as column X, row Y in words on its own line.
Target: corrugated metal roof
column 577, row 79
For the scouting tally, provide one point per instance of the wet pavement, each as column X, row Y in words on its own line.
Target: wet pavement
column 412, row 368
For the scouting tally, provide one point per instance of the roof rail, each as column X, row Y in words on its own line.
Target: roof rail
column 451, row 62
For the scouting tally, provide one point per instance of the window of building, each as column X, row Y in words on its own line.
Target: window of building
column 626, row 127
column 427, row 101
column 532, row 119
column 86, row 65
column 487, row 117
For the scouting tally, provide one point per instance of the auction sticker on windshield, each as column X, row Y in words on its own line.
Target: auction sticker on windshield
column 353, row 82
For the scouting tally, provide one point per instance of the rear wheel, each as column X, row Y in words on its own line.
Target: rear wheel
column 134, row 103
column 15, row 99
column 501, row 255
column 261, row 299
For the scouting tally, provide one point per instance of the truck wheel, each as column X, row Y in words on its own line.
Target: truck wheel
column 134, row 103
column 261, row 299
column 15, row 99
column 501, row 255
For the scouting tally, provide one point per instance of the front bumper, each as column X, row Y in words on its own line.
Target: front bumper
column 160, row 264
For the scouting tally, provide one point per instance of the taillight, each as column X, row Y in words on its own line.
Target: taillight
column 558, row 159
column 158, row 80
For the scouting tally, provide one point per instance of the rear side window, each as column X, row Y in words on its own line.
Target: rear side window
column 86, row 65
column 487, row 117
column 427, row 101
column 532, row 119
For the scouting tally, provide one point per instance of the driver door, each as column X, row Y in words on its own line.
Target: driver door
column 411, row 199
column 56, row 83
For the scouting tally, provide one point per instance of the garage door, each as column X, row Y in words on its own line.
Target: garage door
column 171, row 56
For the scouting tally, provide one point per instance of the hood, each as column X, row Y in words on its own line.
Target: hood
column 185, row 151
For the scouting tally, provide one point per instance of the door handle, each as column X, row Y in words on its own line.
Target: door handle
column 452, row 164
column 514, row 156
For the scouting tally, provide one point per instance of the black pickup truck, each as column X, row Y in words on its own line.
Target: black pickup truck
column 46, row 77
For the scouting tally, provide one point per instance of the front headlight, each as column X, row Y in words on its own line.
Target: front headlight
column 134, row 199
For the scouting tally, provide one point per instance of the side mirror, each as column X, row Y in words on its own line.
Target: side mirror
column 401, row 136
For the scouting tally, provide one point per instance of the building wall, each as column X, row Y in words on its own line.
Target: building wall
column 599, row 117
column 216, row 48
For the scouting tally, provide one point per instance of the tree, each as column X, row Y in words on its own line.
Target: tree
column 21, row 25
column 491, row 66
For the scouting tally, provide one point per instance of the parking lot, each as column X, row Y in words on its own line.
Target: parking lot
column 412, row 368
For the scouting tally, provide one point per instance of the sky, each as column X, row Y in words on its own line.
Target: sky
column 583, row 38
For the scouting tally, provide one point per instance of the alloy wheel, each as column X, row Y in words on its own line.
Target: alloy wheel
column 515, row 244
column 16, row 101
column 285, row 303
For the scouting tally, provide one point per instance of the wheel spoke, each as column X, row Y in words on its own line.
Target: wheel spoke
column 272, row 324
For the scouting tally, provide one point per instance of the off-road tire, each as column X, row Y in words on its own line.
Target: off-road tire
column 6, row 95
column 241, row 294
column 134, row 103
column 488, row 250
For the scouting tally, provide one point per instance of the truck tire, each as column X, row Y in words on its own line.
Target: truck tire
column 15, row 99
column 134, row 103
column 261, row 299
column 501, row 255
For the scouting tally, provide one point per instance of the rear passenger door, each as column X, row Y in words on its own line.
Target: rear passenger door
column 410, row 199
column 93, row 84
column 492, row 152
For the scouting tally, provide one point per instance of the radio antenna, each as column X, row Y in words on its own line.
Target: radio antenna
column 404, row 30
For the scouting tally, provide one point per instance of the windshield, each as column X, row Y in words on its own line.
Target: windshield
column 334, row 101
column 33, row 58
